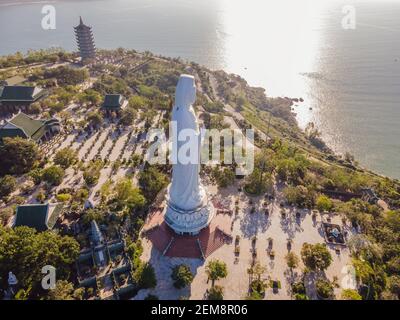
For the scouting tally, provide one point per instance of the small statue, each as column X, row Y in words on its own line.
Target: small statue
column 12, row 279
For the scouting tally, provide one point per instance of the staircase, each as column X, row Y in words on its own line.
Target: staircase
column 184, row 246
column 215, row 241
column 168, row 246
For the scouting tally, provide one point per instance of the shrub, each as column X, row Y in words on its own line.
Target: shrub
column 66, row 157
column 350, row 294
column 292, row 260
column 300, row 296
column 257, row 289
column 145, row 276
column 64, row 197
column 17, row 155
column 6, row 214
column 324, row 289
column 36, row 175
column 216, row 293
column 151, row 182
column 7, row 186
column 135, row 250
column 182, row 276
column 53, row 175
column 324, row 203
column 300, row 196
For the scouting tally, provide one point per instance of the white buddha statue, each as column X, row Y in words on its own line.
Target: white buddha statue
column 188, row 208
column 186, row 192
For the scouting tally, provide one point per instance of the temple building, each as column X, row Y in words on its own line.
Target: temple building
column 85, row 41
column 19, row 98
column 113, row 103
column 25, row 127
column 104, row 266
column 40, row 217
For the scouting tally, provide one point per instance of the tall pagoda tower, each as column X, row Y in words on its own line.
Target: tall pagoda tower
column 85, row 41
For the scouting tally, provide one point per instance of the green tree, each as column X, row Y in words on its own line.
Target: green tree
column 53, row 175
column 66, row 157
column 36, row 175
column 316, row 257
column 215, row 270
column 7, row 186
column 292, row 260
column 90, row 97
column 151, row 182
column 258, row 182
column 66, row 75
column 224, row 177
column 17, row 155
column 372, row 275
column 257, row 270
column 126, row 193
column 292, row 169
column 135, row 250
column 257, row 286
column 137, row 102
column 24, row 252
column 145, row 276
column 182, row 276
column 300, row 196
column 5, row 215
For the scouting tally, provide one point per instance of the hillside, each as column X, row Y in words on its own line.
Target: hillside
column 100, row 159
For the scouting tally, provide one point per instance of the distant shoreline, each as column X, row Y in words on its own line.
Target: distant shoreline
column 21, row 2
column 371, row 103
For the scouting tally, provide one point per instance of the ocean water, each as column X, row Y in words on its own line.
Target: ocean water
column 350, row 79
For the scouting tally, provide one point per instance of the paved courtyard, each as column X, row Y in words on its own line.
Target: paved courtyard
column 246, row 225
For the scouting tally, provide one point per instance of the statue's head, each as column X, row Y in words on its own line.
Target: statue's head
column 185, row 93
